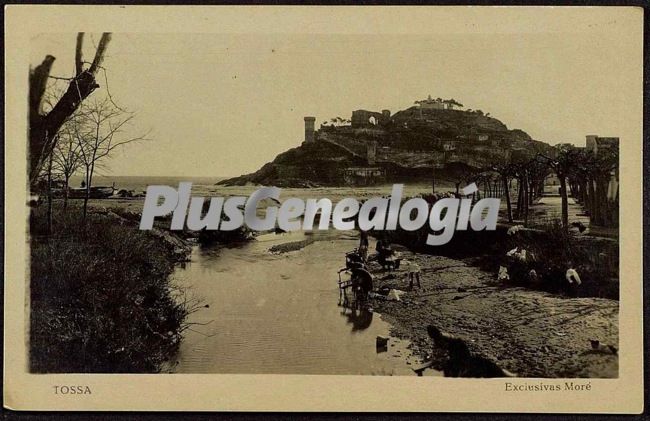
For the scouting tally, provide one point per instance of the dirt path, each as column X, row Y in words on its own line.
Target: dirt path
column 530, row 333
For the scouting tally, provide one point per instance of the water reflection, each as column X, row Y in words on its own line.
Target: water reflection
column 356, row 313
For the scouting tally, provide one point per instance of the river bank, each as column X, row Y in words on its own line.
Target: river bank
column 101, row 296
column 529, row 333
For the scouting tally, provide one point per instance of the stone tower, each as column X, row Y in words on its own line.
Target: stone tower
column 309, row 129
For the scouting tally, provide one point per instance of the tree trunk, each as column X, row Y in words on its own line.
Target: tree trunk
column 87, row 195
column 65, row 192
column 43, row 128
column 601, row 202
column 49, row 196
column 524, row 200
column 507, row 193
column 593, row 213
column 565, row 202
column 519, row 198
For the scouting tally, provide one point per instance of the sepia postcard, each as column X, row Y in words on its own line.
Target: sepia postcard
column 286, row 208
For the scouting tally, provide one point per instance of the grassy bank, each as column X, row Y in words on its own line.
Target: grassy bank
column 101, row 297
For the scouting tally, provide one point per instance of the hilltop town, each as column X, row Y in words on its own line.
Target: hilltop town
column 377, row 146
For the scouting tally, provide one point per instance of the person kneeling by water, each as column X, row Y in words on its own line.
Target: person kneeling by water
column 362, row 282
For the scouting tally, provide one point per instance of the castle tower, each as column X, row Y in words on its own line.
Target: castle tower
column 309, row 129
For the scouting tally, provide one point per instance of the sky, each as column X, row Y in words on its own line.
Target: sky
column 225, row 104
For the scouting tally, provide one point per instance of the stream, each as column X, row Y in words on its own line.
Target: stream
column 280, row 313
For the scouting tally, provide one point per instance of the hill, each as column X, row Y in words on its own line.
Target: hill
column 377, row 147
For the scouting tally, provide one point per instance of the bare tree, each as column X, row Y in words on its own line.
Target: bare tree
column 562, row 163
column 538, row 172
column 98, row 133
column 43, row 127
column 485, row 180
column 505, row 171
column 465, row 176
column 589, row 179
column 67, row 158
column 49, row 192
column 519, row 171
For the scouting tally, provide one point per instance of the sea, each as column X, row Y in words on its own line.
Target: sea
column 139, row 183
column 207, row 187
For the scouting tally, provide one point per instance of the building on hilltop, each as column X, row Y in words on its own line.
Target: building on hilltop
column 431, row 104
column 369, row 119
column 438, row 104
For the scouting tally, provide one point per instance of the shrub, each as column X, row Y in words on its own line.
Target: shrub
column 552, row 251
column 100, row 296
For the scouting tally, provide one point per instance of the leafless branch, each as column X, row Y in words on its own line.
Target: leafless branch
column 79, row 54
column 99, row 54
column 61, row 78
